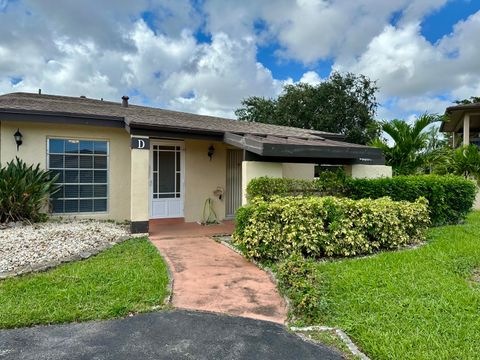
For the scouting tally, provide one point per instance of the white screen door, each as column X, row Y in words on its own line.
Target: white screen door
column 167, row 180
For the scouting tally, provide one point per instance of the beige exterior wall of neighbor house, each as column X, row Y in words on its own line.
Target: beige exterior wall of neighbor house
column 368, row 171
column 476, row 204
column 34, row 151
column 298, row 171
column 203, row 176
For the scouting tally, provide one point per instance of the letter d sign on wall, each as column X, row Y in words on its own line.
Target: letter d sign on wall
column 140, row 143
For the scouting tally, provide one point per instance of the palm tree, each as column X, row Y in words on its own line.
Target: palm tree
column 464, row 161
column 407, row 154
column 435, row 150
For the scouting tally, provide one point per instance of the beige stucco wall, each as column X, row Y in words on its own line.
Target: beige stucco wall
column 298, row 171
column 203, row 176
column 34, row 150
column 255, row 169
column 368, row 171
column 140, row 189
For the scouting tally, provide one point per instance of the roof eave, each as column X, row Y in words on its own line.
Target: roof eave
column 271, row 150
column 173, row 132
column 60, row 118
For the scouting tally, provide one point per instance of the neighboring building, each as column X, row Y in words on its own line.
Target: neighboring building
column 463, row 122
column 126, row 162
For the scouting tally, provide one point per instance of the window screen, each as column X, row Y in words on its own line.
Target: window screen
column 82, row 168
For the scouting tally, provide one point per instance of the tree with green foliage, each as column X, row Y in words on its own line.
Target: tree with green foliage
column 408, row 152
column 463, row 161
column 344, row 104
column 437, row 145
column 471, row 100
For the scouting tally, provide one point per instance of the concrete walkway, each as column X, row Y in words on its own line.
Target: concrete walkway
column 166, row 335
column 209, row 276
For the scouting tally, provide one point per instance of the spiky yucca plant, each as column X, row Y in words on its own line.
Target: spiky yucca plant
column 24, row 191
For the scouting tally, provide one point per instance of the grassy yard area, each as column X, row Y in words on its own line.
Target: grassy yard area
column 129, row 277
column 412, row 304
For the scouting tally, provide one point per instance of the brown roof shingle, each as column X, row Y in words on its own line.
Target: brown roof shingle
column 135, row 115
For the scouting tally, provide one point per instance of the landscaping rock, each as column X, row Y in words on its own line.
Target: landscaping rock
column 36, row 247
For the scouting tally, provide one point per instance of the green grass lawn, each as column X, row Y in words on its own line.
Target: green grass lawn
column 129, row 277
column 411, row 304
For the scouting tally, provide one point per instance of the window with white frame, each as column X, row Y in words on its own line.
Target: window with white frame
column 82, row 168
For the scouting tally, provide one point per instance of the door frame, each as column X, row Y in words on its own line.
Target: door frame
column 160, row 142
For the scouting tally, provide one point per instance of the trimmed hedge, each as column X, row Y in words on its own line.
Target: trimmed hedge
column 450, row 197
column 327, row 226
column 327, row 184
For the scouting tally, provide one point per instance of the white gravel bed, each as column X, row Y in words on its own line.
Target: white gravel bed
column 27, row 248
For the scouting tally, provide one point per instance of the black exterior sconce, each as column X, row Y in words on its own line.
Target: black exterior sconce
column 211, row 151
column 18, row 138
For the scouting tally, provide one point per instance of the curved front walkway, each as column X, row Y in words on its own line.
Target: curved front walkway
column 209, row 276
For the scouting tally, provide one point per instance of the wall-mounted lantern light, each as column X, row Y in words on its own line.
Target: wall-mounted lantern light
column 18, row 138
column 211, row 150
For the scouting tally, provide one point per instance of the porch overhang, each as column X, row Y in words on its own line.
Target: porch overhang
column 314, row 149
column 455, row 115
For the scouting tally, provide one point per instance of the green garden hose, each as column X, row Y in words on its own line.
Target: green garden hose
column 212, row 215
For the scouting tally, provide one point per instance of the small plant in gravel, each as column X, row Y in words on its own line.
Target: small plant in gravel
column 24, row 191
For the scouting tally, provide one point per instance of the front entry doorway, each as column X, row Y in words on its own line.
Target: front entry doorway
column 167, row 179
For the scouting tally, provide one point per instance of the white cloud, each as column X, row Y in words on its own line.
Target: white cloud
column 220, row 75
column 425, row 76
column 169, row 71
column 310, row 30
column 104, row 49
column 310, row 77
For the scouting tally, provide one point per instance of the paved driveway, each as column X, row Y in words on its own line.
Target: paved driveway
column 167, row 335
column 209, row 276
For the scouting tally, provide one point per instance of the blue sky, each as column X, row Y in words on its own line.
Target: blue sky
column 205, row 56
column 441, row 22
column 433, row 27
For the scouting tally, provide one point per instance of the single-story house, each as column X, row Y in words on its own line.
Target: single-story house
column 463, row 122
column 121, row 161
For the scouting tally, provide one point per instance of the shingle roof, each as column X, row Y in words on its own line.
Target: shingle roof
column 472, row 106
column 135, row 115
column 455, row 115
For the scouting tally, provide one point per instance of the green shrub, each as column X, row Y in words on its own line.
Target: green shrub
column 327, row 184
column 299, row 281
column 24, row 191
column 450, row 197
column 328, row 226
